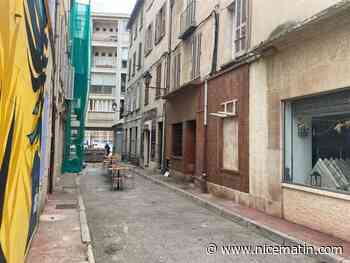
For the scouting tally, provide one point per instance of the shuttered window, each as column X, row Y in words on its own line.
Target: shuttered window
column 177, row 70
column 149, row 39
column 160, row 24
column 196, row 55
column 158, row 80
column 240, row 29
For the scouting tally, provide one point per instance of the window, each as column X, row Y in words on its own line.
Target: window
column 103, row 54
column 107, row 90
column 96, row 54
column 177, row 140
column 146, row 95
column 177, row 70
column 139, row 63
column 134, row 64
column 104, row 29
column 123, row 82
column 122, row 106
column 124, row 57
column 115, row 54
column 158, row 80
column 141, row 18
column 111, row 30
column 110, row 54
column 149, row 39
column 97, row 29
column 129, row 70
column 239, row 10
column 135, row 28
column 131, row 38
column 160, row 24
column 196, row 55
column 317, row 142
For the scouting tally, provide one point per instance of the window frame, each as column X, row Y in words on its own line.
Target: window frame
column 158, row 81
column 240, row 21
column 287, row 109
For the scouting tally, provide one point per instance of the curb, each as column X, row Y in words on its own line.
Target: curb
column 271, row 234
column 84, row 227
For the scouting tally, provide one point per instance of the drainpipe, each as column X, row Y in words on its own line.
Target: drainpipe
column 204, row 179
column 53, row 111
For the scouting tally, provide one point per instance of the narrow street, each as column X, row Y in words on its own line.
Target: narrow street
column 149, row 223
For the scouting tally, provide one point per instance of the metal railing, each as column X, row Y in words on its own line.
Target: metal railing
column 188, row 18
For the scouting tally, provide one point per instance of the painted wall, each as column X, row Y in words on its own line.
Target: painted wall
column 23, row 64
column 320, row 63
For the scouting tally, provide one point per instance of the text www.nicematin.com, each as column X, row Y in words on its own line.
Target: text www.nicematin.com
column 213, row 249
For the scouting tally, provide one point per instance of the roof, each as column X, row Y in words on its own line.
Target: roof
column 134, row 12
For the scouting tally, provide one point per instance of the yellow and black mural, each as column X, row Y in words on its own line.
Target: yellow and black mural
column 23, row 65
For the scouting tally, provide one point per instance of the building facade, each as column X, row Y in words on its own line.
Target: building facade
column 135, row 87
column 110, row 45
column 256, row 103
column 298, row 125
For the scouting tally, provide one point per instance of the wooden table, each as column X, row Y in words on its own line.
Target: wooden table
column 117, row 177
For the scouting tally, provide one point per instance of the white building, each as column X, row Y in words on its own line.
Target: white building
column 110, row 45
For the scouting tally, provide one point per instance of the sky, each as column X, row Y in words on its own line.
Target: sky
column 113, row 6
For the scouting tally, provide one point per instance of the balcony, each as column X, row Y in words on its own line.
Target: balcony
column 188, row 20
column 105, row 62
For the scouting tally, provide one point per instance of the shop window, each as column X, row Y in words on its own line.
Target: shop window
column 317, row 142
column 177, row 135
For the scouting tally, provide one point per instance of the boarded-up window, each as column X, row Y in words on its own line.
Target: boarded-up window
column 230, row 144
column 177, row 139
column 158, row 80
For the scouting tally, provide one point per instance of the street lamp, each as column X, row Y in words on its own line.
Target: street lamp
column 147, row 78
column 115, row 106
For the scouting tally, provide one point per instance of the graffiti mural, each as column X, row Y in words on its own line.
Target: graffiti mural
column 23, row 65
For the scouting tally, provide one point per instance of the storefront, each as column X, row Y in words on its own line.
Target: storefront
column 300, row 125
column 317, row 142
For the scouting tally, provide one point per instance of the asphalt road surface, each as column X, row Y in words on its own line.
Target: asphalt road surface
column 151, row 224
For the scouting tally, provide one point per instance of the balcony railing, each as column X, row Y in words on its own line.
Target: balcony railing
column 188, row 20
column 105, row 62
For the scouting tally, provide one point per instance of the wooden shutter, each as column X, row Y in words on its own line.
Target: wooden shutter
column 158, row 80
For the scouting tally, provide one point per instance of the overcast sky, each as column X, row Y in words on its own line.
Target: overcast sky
column 113, row 6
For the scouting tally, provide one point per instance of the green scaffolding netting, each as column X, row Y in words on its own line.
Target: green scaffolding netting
column 79, row 51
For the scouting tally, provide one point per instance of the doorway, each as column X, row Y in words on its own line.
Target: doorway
column 146, row 147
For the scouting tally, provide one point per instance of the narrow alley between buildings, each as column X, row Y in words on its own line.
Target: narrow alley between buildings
column 148, row 223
